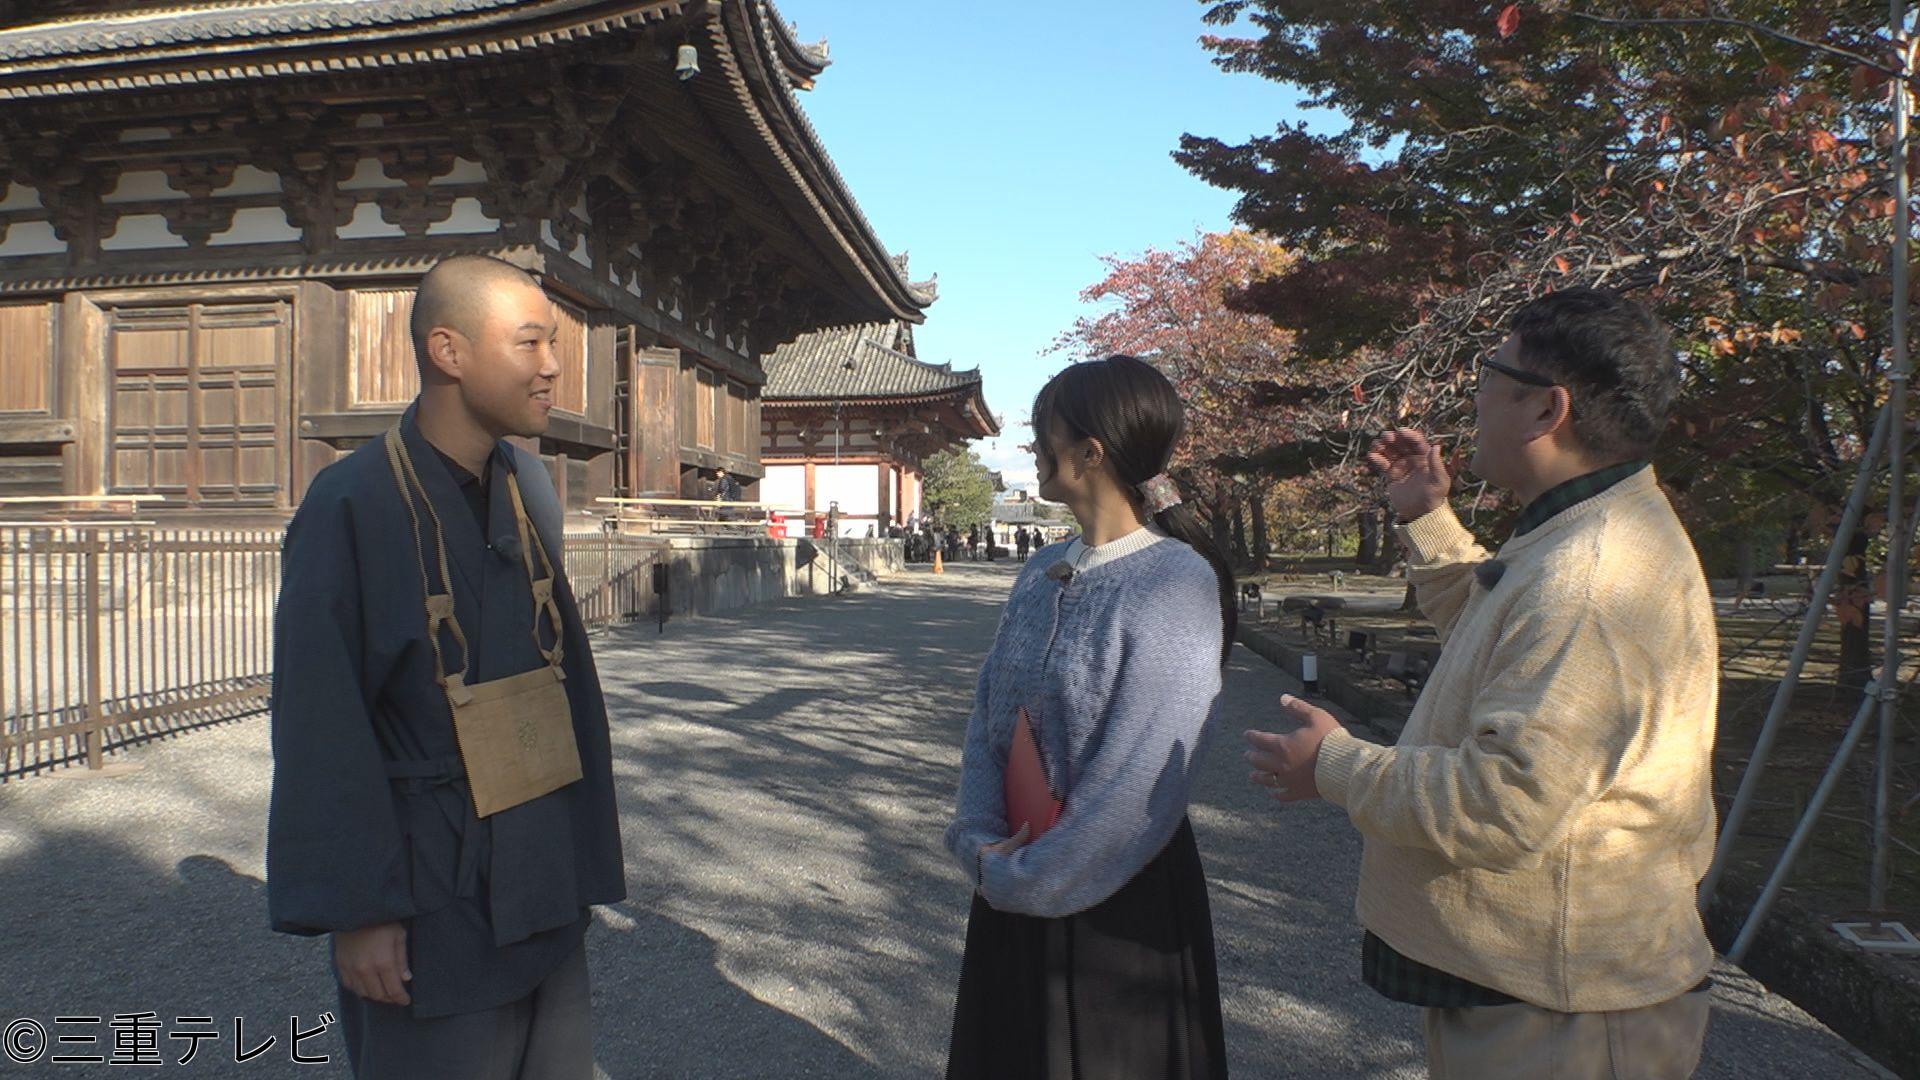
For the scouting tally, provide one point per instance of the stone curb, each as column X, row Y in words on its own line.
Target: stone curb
column 1386, row 714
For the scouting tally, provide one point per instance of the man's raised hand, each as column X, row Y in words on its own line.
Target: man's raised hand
column 1416, row 474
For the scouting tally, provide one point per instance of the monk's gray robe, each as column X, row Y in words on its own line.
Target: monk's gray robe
column 371, row 821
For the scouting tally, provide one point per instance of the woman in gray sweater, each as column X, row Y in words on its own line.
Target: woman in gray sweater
column 1090, row 943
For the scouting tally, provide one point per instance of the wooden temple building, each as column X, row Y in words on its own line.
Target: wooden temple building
column 850, row 415
column 212, row 215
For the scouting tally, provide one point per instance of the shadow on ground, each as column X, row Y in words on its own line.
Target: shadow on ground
column 785, row 774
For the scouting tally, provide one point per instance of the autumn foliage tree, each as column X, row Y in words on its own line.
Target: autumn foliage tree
column 1253, row 403
column 1725, row 163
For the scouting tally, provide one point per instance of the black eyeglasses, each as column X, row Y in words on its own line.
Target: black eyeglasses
column 1519, row 375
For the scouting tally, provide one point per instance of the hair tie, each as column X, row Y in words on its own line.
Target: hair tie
column 1161, row 494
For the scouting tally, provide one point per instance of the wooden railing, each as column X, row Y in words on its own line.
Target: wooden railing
column 700, row 517
column 611, row 576
column 115, row 633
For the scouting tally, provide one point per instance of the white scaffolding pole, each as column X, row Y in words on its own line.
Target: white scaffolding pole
column 1896, row 451
column 1883, row 695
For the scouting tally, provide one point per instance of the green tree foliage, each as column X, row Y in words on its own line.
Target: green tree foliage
column 958, row 489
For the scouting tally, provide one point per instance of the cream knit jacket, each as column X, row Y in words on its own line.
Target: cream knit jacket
column 1544, row 820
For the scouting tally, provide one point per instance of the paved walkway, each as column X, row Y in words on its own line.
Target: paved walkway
column 784, row 774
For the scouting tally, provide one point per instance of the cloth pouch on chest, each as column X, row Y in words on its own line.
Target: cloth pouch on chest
column 516, row 739
column 515, row 734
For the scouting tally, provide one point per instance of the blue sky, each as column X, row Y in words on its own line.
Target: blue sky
column 1008, row 145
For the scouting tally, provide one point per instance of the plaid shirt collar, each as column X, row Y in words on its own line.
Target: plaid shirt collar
column 1572, row 493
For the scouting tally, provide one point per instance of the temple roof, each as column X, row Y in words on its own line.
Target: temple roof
column 180, row 24
column 780, row 111
column 752, row 65
column 804, row 61
column 127, row 27
column 858, row 362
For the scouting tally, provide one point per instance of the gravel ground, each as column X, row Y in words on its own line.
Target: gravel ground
column 785, row 774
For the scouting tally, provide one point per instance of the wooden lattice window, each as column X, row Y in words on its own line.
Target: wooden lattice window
column 197, row 401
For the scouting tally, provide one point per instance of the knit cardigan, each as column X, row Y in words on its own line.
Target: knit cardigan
column 1544, row 820
column 1118, row 668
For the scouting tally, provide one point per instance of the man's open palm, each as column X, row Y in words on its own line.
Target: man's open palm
column 1416, row 475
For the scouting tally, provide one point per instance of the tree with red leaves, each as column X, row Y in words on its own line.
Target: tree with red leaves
column 1253, row 403
column 1727, row 168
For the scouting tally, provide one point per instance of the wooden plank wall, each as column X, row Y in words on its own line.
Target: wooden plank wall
column 380, row 364
column 198, row 398
column 28, row 465
column 704, row 415
column 655, row 466
column 570, row 348
column 736, row 408
column 718, row 416
column 687, row 384
column 31, row 470
column 26, row 358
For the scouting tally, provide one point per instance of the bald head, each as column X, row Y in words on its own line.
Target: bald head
column 457, row 294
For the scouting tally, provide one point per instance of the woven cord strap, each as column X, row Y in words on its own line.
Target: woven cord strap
column 543, row 602
column 439, row 605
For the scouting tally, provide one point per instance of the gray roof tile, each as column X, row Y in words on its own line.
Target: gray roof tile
column 857, row 362
column 187, row 24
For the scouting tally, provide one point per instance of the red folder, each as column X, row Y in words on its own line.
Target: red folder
column 1030, row 799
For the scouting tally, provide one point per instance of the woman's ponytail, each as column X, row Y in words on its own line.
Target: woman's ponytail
column 1181, row 523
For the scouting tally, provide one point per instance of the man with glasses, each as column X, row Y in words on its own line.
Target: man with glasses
column 1534, row 841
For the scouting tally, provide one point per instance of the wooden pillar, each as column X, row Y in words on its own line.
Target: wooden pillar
column 810, row 482
column 883, row 513
column 84, row 386
column 313, row 381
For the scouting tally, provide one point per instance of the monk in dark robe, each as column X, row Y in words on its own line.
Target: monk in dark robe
column 458, row 931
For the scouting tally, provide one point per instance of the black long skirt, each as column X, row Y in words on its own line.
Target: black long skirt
column 1126, row 989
